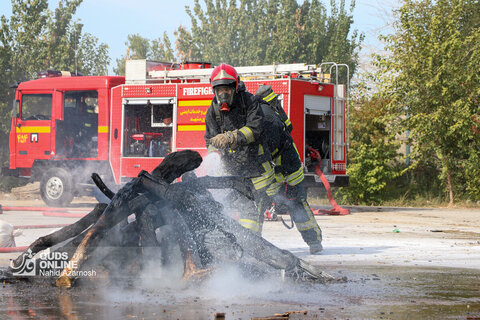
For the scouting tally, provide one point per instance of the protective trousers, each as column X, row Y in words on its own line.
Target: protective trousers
column 287, row 189
column 295, row 199
column 252, row 218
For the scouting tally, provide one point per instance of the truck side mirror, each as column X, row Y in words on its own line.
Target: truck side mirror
column 16, row 109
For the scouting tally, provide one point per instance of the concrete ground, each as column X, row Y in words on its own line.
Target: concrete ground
column 368, row 236
column 401, row 263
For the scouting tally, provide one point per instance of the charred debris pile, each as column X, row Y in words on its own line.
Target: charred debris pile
column 181, row 219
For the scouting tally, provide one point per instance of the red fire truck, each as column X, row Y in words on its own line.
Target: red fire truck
column 65, row 127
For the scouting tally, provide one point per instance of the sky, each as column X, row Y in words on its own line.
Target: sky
column 111, row 21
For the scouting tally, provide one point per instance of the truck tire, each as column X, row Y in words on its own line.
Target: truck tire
column 56, row 187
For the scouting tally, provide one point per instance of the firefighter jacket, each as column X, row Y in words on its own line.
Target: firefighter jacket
column 246, row 116
column 284, row 154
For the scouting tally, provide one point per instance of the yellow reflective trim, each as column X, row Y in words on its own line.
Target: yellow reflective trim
column 263, row 184
column 270, row 97
column 249, row 221
column 304, row 226
column 211, row 148
column 247, row 132
column 308, row 209
column 288, row 122
column 312, row 222
column 279, row 177
column 296, row 177
column 250, row 224
column 192, row 127
column 268, row 171
column 278, row 160
column 194, row 103
column 273, row 188
column 24, row 129
column 297, row 181
column 267, row 166
column 102, row 129
column 265, row 178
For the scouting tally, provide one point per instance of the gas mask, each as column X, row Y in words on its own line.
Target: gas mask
column 224, row 95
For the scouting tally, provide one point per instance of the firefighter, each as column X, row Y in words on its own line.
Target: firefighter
column 234, row 125
column 268, row 96
column 287, row 189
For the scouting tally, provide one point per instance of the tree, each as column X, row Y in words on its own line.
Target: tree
column 434, row 87
column 139, row 47
column 267, row 31
column 68, row 48
column 373, row 153
column 256, row 32
column 36, row 39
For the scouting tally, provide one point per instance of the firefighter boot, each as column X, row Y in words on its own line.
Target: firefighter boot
column 304, row 219
column 315, row 247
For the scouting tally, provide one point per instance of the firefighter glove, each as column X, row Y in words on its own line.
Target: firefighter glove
column 224, row 140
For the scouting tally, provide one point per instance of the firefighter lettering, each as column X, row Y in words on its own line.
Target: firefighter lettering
column 198, row 91
column 22, row 138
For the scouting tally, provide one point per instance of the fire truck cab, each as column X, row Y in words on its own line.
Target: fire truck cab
column 65, row 127
column 59, row 132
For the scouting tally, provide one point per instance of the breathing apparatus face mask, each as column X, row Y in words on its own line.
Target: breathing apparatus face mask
column 224, row 95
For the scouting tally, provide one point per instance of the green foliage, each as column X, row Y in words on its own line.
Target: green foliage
column 36, row 39
column 139, row 47
column 373, row 158
column 434, row 87
column 255, row 32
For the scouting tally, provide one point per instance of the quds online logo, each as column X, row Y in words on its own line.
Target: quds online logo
column 26, row 267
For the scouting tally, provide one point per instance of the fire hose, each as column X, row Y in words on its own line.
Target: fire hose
column 46, row 212
column 337, row 210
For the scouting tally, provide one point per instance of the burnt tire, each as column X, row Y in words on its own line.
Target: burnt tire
column 56, row 187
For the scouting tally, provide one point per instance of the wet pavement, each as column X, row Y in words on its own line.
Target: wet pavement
column 428, row 270
column 371, row 292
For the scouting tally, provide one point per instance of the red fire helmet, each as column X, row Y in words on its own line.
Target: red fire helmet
column 224, row 74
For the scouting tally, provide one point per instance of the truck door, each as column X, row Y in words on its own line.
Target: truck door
column 318, row 130
column 33, row 128
column 76, row 134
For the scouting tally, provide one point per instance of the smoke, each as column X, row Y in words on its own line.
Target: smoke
column 228, row 280
column 230, row 283
column 212, row 165
column 164, row 266
column 232, row 201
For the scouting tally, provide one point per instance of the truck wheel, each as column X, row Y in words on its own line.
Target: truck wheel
column 56, row 187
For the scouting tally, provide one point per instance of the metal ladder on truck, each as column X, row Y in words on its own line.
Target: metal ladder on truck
column 340, row 113
column 340, row 135
column 137, row 73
